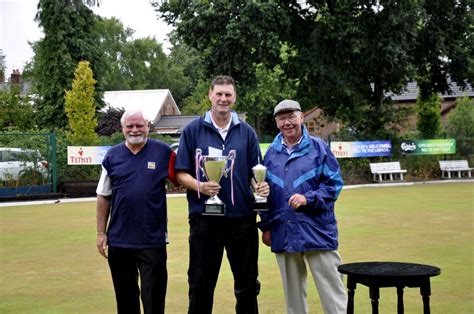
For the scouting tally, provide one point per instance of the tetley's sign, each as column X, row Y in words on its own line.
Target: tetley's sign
column 86, row 155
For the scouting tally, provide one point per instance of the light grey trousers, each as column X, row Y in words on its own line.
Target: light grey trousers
column 323, row 266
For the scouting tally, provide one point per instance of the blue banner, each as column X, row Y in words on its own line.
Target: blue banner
column 361, row 149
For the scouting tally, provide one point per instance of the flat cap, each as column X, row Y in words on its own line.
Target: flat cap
column 286, row 105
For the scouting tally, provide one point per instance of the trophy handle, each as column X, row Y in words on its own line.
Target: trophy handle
column 230, row 158
column 198, row 165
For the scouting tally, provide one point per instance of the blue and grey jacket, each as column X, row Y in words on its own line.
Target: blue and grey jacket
column 311, row 170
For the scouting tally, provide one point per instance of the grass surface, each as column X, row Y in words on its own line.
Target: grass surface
column 49, row 263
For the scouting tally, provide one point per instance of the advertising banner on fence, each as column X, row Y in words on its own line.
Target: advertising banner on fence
column 361, row 149
column 429, row 147
column 86, row 155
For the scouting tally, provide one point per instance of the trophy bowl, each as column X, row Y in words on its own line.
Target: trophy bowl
column 259, row 174
column 214, row 168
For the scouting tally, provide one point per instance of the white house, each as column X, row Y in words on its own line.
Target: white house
column 153, row 102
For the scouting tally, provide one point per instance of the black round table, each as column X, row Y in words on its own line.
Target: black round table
column 377, row 275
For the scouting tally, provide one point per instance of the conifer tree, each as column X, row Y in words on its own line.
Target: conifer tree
column 80, row 107
column 429, row 116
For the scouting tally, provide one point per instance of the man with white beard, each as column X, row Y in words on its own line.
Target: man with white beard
column 132, row 216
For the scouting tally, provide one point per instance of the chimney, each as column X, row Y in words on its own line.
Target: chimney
column 15, row 77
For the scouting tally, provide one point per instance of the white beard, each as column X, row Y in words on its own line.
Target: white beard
column 134, row 140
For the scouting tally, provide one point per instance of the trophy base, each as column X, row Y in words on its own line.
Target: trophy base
column 214, row 210
column 260, row 206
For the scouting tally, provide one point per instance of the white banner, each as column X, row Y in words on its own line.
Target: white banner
column 86, row 155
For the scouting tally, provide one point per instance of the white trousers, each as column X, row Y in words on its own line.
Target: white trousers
column 323, row 266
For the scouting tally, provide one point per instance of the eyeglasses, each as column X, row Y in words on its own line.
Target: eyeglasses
column 293, row 118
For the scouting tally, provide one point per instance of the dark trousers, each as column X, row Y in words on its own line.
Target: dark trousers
column 208, row 238
column 126, row 265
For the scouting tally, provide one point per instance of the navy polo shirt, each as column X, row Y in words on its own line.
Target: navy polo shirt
column 138, row 214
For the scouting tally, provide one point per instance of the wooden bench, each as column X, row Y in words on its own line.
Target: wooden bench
column 459, row 166
column 386, row 169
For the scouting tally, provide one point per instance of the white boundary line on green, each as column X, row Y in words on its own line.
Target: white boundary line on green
column 347, row 187
column 387, row 184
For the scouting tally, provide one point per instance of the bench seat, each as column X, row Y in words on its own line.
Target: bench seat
column 381, row 170
column 459, row 166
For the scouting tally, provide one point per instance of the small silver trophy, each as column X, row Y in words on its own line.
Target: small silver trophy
column 259, row 174
column 214, row 168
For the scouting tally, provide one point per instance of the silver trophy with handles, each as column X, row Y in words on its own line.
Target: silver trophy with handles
column 259, row 174
column 213, row 169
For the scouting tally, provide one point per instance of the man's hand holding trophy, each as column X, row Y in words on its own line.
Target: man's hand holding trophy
column 214, row 168
column 261, row 188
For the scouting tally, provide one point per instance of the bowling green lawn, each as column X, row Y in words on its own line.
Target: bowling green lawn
column 49, row 262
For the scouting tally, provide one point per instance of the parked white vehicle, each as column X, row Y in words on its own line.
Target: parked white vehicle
column 20, row 163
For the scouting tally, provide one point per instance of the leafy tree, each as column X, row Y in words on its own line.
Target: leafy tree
column 269, row 88
column 461, row 126
column 3, row 66
column 355, row 53
column 344, row 55
column 16, row 112
column 69, row 37
column 109, row 121
column 80, row 107
column 231, row 35
column 145, row 61
column 197, row 103
column 444, row 48
column 137, row 64
column 113, row 38
column 191, row 62
column 429, row 116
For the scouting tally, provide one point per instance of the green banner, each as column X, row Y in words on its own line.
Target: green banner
column 429, row 147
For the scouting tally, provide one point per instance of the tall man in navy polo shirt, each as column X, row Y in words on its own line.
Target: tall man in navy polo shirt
column 131, row 192
column 218, row 132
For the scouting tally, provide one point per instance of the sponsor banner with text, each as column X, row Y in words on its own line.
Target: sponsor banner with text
column 361, row 149
column 429, row 147
column 86, row 155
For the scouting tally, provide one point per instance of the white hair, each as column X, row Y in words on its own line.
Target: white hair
column 131, row 112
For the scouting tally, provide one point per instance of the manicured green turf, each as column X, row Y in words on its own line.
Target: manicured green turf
column 49, row 263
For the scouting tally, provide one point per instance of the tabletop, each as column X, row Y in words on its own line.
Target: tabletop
column 389, row 269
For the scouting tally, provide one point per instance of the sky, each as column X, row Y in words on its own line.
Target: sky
column 17, row 26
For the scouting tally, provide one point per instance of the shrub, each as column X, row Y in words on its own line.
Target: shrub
column 461, row 127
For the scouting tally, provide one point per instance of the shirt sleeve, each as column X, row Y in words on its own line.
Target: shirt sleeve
column 184, row 160
column 104, row 187
column 171, row 171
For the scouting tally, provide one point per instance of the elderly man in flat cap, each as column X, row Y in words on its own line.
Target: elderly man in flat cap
column 300, row 226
